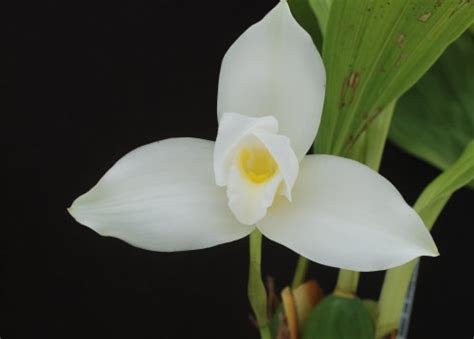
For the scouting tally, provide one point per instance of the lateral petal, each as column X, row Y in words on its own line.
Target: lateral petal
column 161, row 197
column 346, row 215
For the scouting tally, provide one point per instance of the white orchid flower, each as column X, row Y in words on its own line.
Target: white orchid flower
column 170, row 195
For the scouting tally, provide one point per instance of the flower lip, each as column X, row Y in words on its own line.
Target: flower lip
column 257, row 164
column 233, row 130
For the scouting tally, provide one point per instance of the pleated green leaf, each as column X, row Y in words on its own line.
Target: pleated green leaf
column 374, row 51
column 434, row 120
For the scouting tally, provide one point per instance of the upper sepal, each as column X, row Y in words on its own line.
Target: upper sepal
column 274, row 69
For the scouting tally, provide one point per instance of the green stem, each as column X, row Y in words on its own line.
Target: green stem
column 429, row 206
column 392, row 297
column 265, row 332
column 397, row 280
column 300, row 272
column 256, row 289
column 348, row 281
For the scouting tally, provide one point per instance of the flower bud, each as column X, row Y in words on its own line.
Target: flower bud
column 339, row 317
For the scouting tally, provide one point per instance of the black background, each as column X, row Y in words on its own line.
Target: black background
column 88, row 82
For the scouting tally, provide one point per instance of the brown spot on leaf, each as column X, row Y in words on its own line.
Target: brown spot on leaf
column 401, row 40
column 354, row 79
column 349, row 87
column 400, row 58
column 368, row 119
column 424, row 17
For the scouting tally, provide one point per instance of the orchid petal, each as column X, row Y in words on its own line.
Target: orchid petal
column 274, row 69
column 161, row 197
column 346, row 215
column 248, row 201
column 232, row 129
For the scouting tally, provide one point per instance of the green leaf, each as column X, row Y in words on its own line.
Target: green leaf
column 429, row 205
column 338, row 317
column 368, row 148
column 434, row 121
column 321, row 10
column 305, row 16
column 437, row 194
column 376, row 50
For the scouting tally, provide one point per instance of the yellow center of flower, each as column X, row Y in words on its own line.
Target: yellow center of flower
column 257, row 164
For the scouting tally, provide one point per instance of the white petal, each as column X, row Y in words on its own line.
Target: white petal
column 274, row 69
column 248, row 201
column 281, row 151
column 345, row 215
column 161, row 197
column 232, row 129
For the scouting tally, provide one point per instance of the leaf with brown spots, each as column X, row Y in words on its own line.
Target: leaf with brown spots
column 374, row 51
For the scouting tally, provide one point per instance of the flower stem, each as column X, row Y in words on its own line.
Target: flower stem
column 265, row 332
column 300, row 272
column 392, row 297
column 256, row 289
column 429, row 206
column 397, row 280
column 348, row 281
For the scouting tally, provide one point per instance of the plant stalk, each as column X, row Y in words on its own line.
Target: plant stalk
column 256, row 289
column 300, row 272
column 429, row 206
column 348, row 281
